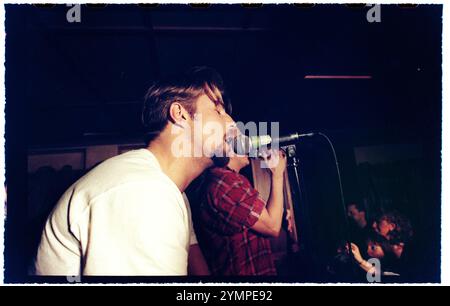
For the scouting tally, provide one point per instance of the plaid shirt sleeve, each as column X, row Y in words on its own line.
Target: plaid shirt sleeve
column 236, row 203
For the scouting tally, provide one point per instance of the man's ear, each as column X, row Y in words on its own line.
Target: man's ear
column 177, row 113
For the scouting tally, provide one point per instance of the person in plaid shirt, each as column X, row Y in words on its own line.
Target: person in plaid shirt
column 235, row 221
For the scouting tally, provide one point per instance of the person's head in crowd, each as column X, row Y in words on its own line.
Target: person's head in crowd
column 393, row 226
column 357, row 214
column 377, row 246
column 188, row 103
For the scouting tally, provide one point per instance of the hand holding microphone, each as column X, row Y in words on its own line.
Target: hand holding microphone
column 276, row 162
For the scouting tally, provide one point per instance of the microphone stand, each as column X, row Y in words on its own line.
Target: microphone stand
column 292, row 162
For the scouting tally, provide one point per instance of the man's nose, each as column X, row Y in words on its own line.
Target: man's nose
column 228, row 119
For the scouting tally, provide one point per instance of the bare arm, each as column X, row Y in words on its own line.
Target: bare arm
column 366, row 266
column 269, row 223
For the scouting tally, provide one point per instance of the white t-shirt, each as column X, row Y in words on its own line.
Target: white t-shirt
column 124, row 217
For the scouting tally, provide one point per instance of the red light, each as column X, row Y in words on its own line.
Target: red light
column 342, row 77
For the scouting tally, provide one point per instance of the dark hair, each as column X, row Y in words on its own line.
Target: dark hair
column 184, row 89
column 380, row 240
column 389, row 262
column 403, row 231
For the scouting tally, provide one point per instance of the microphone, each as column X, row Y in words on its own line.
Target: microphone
column 244, row 145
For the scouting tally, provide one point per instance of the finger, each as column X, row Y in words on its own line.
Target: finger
column 269, row 154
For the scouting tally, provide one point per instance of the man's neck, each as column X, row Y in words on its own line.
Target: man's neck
column 181, row 170
column 234, row 166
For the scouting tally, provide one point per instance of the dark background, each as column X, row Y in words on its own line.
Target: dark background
column 83, row 83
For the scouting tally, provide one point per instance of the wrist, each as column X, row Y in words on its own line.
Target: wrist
column 277, row 176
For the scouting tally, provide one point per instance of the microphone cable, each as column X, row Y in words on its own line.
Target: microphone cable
column 344, row 207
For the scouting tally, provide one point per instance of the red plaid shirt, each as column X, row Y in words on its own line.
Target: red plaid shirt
column 230, row 207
